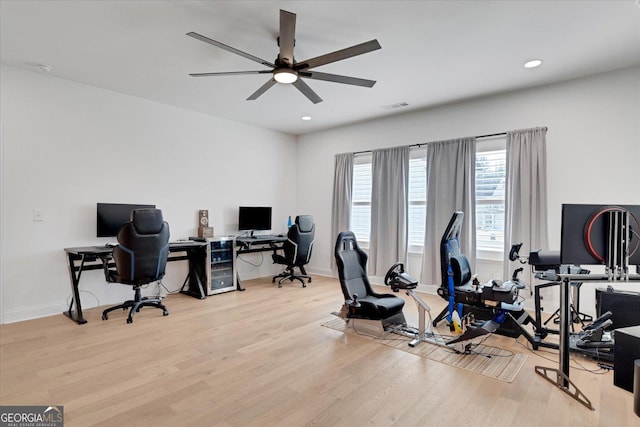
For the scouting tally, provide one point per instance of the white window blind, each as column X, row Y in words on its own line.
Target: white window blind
column 417, row 199
column 361, row 199
column 490, row 185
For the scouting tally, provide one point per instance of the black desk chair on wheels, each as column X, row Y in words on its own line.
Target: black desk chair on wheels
column 297, row 251
column 140, row 258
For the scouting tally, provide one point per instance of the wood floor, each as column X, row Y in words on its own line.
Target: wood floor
column 262, row 358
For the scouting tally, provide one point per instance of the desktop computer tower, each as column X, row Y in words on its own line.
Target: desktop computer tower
column 623, row 305
column 626, row 350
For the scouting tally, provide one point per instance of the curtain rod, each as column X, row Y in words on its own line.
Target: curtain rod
column 426, row 143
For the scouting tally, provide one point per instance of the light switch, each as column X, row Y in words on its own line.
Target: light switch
column 38, row 215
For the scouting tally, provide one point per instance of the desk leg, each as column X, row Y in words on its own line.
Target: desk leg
column 74, row 275
column 560, row 377
column 239, row 283
column 235, row 267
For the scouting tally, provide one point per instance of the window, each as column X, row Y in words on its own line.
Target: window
column 361, row 199
column 417, row 198
column 491, row 170
column 361, row 204
column 490, row 189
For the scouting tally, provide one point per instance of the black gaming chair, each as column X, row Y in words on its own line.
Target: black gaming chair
column 297, row 250
column 140, row 258
column 360, row 301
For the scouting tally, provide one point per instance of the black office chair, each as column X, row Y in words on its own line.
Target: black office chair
column 360, row 301
column 297, row 250
column 140, row 258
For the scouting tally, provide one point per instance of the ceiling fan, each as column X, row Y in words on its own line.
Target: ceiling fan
column 285, row 69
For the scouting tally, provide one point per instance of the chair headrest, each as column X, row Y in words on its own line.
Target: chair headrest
column 461, row 269
column 147, row 221
column 305, row 223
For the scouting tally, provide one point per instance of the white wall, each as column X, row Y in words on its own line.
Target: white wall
column 68, row 146
column 593, row 144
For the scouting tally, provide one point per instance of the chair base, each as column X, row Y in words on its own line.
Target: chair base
column 289, row 274
column 376, row 328
column 135, row 305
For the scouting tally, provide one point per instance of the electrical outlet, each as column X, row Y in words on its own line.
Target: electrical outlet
column 38, row 215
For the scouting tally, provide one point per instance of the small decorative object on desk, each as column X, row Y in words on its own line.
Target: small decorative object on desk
column 203, row 226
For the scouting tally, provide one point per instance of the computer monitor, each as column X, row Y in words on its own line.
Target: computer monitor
column 112, row 216
column 585, row 233
column 254, row 218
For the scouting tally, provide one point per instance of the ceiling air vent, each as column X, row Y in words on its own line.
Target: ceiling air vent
column 395, row 106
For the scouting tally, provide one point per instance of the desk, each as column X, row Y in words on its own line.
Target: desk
column 560, row 377
column 248, row 245
column 92, row 258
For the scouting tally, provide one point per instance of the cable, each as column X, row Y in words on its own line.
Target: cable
column 579, row 366
column 168, row 292
column 250, row 263
column 70, row 297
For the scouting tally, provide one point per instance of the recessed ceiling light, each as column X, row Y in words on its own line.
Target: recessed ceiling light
column 533, row 63
column 306, row 118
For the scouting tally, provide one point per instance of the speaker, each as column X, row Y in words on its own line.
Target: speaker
column 203, row 224
column 623, row 306
column 625, row 351
column 203, row 218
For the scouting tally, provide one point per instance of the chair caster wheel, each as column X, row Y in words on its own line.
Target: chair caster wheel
column 273, row 280
column 309, row 279
column 105, row 317
column 165, row 313
column 304, row 286
column 129, row 320
column 279, row 285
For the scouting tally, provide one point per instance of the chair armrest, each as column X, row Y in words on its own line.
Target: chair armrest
column 105, row 267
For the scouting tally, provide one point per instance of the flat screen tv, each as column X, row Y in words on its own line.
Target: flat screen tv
column 254, row 218
column 112, row 216
column 585, row 233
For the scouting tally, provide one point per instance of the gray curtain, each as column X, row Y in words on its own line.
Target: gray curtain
column 450, row 187
column 526, row 192
column 342, row 191
column 389, row 207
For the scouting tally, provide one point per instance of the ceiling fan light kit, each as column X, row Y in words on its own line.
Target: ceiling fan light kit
column 285, row 75
column 286, row 70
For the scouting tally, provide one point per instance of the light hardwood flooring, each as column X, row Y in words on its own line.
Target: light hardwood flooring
column 262, row 358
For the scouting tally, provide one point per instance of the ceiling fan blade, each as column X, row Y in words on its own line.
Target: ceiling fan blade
column 286, row 40
column 337, row 78
column 307, row 91
column 261, row 90
column 230, row 73
column 338, row 55
column 231, row 49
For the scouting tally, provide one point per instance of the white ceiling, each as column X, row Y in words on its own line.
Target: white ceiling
column 433, row 52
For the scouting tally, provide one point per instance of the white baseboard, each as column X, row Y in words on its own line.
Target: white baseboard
column 321, row 272
column 33, row 312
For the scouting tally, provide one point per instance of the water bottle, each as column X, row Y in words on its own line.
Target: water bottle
column 289, row 222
